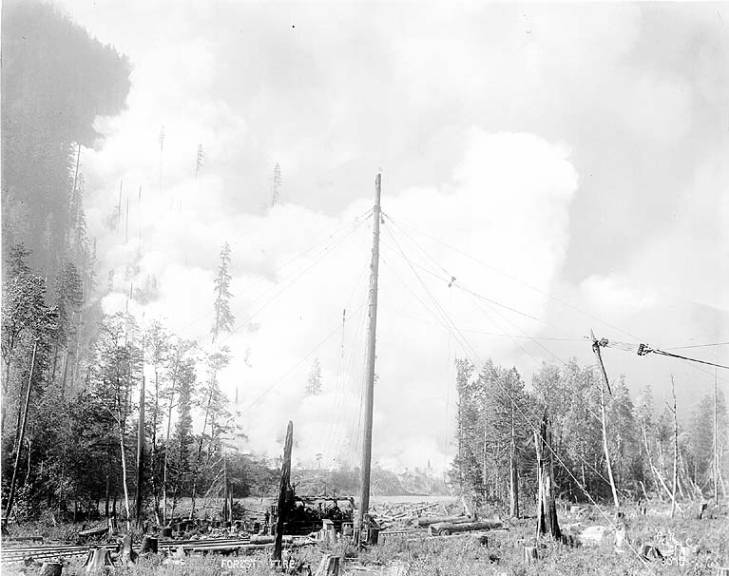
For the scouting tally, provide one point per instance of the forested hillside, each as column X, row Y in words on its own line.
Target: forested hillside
column 70, row 373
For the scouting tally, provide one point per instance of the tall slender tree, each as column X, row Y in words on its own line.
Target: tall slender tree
column 224, row 318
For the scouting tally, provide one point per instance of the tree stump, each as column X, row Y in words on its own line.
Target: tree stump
column 621, row 537
column 330, row 566
column 649, row 552
column 702, row 508
column 51, row 569
column 97, row 561
column 547, row 522
column 530, row 554
column 149, row 545
column 128, row 555
column 113, row 526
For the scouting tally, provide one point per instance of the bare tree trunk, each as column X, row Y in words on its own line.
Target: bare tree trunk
column 106, row 494
column 513, row 474
column 21, row 433
column 30, row 453
column 654, row 471
column 124, row 474
column 605, row 447
column 284, row 488
column 716, row 439
column 199, row 446
column 547, row 522
column 675, row 449
column 155, row 419
column 167, row 452
column 141, row 449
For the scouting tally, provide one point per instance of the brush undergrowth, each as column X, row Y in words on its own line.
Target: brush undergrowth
column 692, row 548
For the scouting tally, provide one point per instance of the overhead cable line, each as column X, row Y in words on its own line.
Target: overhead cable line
column 644, row 350
column 696, row 346
column 320, row 244
column 289, row 372
column 511, row 277
column 279, row 289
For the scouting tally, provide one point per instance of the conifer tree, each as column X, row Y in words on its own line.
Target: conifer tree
column 224, row 318
column 313, row 383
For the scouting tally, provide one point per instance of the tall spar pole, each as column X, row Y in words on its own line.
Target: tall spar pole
column 364, row 500
column 603, row 416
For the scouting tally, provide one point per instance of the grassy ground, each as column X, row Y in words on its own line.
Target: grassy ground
column 692, row 547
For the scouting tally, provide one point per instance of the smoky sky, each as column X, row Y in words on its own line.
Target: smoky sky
column 634, row 96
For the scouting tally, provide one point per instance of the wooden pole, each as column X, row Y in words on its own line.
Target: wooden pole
column 603, row 417
column 21, row 435
column 140, row 455
column 283, row 489
column 364, row 501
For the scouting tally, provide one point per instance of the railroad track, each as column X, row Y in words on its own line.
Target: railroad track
column 16, row 554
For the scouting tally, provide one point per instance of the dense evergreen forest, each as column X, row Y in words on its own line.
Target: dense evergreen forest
column 499, row 417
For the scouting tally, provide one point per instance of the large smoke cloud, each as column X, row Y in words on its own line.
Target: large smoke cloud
column 434, row 98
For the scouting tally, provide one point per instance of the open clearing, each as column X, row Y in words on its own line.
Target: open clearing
column 689, row 547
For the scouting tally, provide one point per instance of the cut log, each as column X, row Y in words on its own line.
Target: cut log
column 446, row 528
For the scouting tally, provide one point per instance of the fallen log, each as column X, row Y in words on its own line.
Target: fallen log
column 446, row 528
column 424, row 522
column 592, row 535
column 236, row 548
column 23, row 539
column 94, row 532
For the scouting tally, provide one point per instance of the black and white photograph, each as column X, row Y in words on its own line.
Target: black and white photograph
column 364, row 288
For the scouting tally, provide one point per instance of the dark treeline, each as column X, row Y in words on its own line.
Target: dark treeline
column 498, row 416
column 70, row 373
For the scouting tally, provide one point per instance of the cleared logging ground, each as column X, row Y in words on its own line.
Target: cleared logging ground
column 689, row 546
